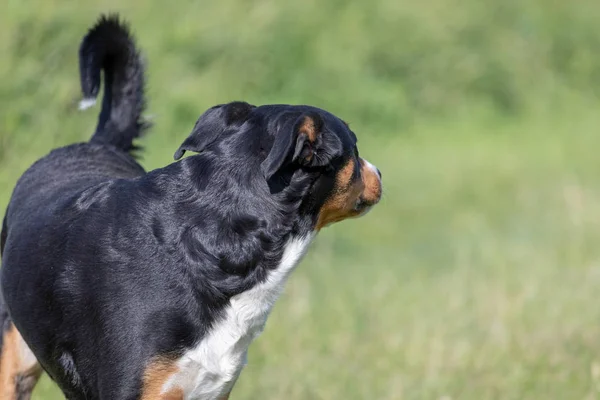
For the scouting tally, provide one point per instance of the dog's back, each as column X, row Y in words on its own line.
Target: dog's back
column 108, row 155
column 55, row 182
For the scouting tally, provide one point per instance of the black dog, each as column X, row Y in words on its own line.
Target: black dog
column 124, row 284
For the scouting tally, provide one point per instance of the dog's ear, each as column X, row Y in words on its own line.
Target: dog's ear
column 305, row 144
column 212, row 123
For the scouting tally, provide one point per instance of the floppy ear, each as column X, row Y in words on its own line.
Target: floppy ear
column 304, row 143
column 212, row 123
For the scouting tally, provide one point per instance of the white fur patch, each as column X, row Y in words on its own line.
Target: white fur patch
column 87, row 103
column 370, row 166
column 210, row 370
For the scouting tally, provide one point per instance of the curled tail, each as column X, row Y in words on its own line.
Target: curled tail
column 109, row 46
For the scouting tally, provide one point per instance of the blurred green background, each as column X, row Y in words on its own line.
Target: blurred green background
column 478, row 275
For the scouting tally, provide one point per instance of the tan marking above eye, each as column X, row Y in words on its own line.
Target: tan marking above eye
column 157, row 373
column 340, row 205
column 309, row 129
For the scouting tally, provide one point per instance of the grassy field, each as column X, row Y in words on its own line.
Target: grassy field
column 476, row 277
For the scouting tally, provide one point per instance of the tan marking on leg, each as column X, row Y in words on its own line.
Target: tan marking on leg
column 19, row 369
column 9, row 363
column 175, row 394
column 155, row 377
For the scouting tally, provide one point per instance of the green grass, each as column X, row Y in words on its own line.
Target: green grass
column 477, row 276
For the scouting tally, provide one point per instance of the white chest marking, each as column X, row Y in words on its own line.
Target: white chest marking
column 209, row 370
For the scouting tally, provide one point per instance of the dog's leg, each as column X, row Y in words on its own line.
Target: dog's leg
column 19, row 369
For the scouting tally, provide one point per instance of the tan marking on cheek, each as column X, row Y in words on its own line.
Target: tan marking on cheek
column 372, row 190
column 156, row 376
column 341, row 203
column 309, row 129
column 19, row 370
column 226, row 397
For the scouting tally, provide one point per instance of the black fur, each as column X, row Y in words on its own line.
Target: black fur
column 106, row 267
column 109, row 46
column 5, row 321
column 3, row 235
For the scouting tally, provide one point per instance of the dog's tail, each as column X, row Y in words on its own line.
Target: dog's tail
column 109, row 46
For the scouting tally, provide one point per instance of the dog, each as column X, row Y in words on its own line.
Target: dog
column 126, row 284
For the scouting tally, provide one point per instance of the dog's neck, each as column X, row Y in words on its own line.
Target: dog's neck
column 236, row 243
column 226, row 223
column 244, row 189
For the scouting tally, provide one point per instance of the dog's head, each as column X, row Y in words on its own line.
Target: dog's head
column 292, row 145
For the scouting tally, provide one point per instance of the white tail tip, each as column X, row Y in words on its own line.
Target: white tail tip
column 87, row 103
